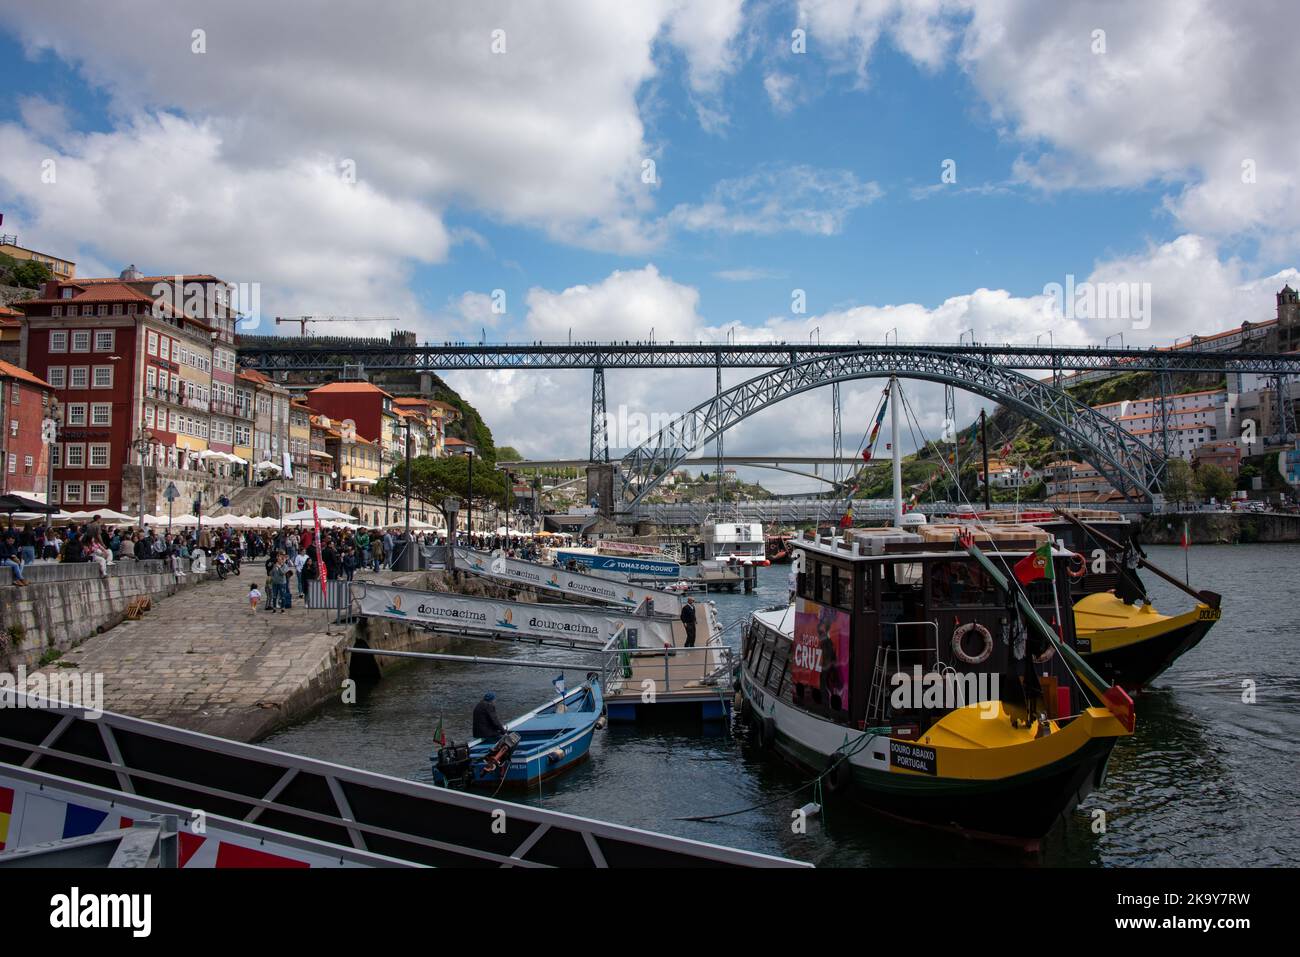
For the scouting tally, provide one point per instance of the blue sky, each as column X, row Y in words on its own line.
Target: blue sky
column 211, row 140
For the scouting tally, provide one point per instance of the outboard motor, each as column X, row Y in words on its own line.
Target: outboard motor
column 453, row 764
column 499, row 756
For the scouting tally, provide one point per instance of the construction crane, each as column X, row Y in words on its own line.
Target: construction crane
column 303, row 320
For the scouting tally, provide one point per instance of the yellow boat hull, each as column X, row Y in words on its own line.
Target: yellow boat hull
column 1132, row 645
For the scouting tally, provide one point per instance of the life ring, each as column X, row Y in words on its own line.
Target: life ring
column 839, row 774
column 1082, row 566
column 959, row 636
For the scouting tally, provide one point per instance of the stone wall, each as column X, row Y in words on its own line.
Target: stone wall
column 1217, row 528
column 65, row 604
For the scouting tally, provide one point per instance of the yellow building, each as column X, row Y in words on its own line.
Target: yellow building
column 59, row 268
column 358, row 461
column 300, row 442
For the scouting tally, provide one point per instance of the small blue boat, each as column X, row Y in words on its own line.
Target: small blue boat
column 538, row 745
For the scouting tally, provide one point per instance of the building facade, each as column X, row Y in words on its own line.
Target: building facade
column 26, row 401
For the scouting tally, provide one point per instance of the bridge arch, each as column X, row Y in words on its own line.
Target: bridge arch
column 1128, row 463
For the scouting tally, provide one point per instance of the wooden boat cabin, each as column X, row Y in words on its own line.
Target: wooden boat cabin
column 880, row 603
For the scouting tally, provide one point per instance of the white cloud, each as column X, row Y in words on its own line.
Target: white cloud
column 779, row 198
column 157, row 192
column 625, row 305
column 848, row 30
column 780, row 91
column 546, row 135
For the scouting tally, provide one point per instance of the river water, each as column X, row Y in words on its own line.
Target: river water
column 1207, row 780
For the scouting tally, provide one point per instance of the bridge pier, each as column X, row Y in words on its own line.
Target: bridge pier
column 600, row 482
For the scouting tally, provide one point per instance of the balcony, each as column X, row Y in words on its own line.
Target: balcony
column 175, row 397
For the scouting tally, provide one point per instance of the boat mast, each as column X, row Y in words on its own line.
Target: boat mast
column 896, row 458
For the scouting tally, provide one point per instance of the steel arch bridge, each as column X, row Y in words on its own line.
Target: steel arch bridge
column 1129, row 464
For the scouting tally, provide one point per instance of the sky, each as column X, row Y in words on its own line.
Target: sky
column 825, row 169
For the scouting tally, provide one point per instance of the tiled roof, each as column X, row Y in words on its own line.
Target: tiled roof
column 108, row 292
column 353, row 388
column 11, row 371
column 196, row 277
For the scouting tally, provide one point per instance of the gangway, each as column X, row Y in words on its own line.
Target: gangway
column 570, row 626
column 642, row 658
column 67, row 771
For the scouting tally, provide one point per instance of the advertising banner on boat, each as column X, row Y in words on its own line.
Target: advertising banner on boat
column 559, row 623
column 821, row 651
column 641, row 566
column 571, row 584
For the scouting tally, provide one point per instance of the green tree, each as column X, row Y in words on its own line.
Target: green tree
column 1180, row 484
column 1215, row 482
column 27, row 273
column 435, row 479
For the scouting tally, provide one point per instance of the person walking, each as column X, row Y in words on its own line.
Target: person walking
column 688, row 620
column 277, row 584
column 254, row 596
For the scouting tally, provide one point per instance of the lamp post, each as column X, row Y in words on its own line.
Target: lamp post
column 470, row 502
column 49, row 435
column 142, row 446
column 450, row 508
column 408, row 480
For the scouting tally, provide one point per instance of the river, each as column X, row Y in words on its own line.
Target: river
column 1207, row 780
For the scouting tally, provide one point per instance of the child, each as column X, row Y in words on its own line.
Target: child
column 254, row 596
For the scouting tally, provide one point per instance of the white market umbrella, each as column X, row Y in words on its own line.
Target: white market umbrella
column 331, row 514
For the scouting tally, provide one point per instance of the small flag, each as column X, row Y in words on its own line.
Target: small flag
column 847, row 520
column 439, row 734
column 1006, row 450
column 1186, row 541
column 1035, row 566
column 558, row 681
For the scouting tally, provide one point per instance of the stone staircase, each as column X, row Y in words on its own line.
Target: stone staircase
column 251, row 500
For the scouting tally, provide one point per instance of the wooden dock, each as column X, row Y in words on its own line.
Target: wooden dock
column 684, row 681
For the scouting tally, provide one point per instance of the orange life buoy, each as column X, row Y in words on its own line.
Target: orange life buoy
column 1082, row 567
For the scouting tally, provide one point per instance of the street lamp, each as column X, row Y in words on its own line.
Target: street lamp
column 141, row 447
column 470, row 503
column 408, row 479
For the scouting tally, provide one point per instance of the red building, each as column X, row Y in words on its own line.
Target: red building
column 362, row 402
column 25, row 401
column 87, row 339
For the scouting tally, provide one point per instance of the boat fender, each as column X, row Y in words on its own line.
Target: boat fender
column 839, row 774
column 959, row 636
column 767, row 732
column 556, row 754
column 1077, row 571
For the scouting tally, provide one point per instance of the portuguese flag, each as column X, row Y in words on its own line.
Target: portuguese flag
column 440, row 735
column 1186, row 540
column 1035, row 566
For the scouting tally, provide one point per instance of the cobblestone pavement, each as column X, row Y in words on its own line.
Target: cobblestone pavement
column 203, row 660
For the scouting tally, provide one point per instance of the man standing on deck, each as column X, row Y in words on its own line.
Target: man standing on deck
column 688, row 620
column 486, row 723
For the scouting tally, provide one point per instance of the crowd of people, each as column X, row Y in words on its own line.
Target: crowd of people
column 344, row 551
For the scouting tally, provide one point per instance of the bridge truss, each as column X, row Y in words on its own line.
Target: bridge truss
column 1128, row 463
